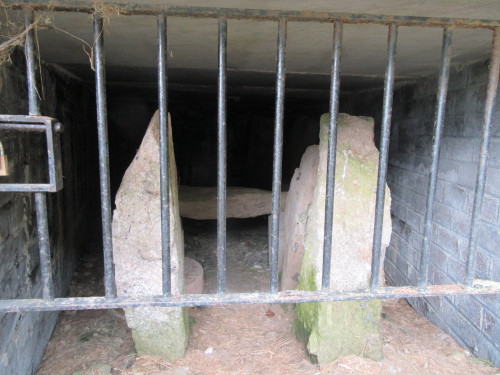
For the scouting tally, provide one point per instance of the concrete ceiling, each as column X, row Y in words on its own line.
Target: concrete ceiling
column 130, row 44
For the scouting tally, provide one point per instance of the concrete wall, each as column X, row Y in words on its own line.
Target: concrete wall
column 473, row 321
column 23, row 336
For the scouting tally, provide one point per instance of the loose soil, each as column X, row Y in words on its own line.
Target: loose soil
column 254, row 339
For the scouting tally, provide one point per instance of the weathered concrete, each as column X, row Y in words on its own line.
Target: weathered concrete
column 200, row 203
column 137, row 249
column 342, row 328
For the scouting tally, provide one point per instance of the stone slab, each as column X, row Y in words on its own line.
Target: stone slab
column 294, row 220
column 137, row 249
column 354, row 200
column 200, row 203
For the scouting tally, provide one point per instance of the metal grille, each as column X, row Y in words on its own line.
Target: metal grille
column 111, row 300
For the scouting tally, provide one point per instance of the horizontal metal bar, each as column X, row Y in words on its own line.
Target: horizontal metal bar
column 141, row 8
column 28, row 188
column 85, row 303
column 23, row 127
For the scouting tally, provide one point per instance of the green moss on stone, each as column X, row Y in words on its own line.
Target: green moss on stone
column 163, row 338
column 333, row 329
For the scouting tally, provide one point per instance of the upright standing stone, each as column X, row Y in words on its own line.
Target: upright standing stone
column 334, row 329
column 137, row 249
column 294, row 219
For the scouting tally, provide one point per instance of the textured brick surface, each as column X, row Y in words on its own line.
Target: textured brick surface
column 23, row 337
column 472, row 321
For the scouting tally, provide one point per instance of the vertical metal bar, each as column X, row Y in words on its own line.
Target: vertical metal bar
column 40, row 198
column 278, row 153
column 164, row 153
column 332, row 146
column 221, row 159
column 383, row 156
column 33, row 101
column 44, row 245
column 483, row 158
column 438, row 130
column 102, row 134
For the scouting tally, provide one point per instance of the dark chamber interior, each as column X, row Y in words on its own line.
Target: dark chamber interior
column 250, row 147
column 250, row 132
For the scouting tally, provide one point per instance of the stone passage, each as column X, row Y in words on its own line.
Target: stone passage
column 334, row 329
column 137, row 249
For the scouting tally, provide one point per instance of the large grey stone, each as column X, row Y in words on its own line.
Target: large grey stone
column 341, row 328
column 137, row 249
column 200, row 203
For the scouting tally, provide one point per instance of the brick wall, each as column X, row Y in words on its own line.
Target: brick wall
column 23, row 337
column 472, row 321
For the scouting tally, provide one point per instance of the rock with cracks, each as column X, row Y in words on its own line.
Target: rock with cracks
column 137, row 249
column 334, row 329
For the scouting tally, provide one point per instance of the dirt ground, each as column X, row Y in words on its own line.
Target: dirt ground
column 255, row 339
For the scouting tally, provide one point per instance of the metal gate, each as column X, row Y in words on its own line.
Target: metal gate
column 35, row 122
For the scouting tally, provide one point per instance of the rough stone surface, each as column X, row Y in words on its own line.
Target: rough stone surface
column 294, row 219
column 200, row 203
column 355, row 187
column 335, row 329
column 137, row 249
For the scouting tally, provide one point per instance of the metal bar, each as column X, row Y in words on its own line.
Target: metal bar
column 436, row 145
column 489, row 108
column 164, row 153
column 40, row 198
column 27, row 188
column 86, row 303
column 221, row 159
column 24, row 127
column 102, row 133
column 141, row 8
column 383, row 156
column 278, row 154
column 332, row 146
column 44, row 245
column 29, row 49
